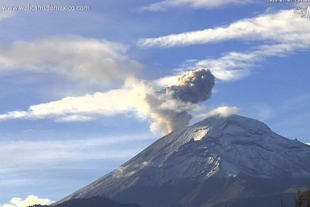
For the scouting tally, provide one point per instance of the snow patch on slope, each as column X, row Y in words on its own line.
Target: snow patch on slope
column 201, row 133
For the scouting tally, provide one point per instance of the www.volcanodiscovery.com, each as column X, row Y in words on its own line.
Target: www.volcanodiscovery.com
column 46, row 8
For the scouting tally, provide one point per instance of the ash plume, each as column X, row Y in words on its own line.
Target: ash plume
column 194, row 86
column 169, row 107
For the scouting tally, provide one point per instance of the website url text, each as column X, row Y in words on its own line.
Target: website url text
column 46, row 8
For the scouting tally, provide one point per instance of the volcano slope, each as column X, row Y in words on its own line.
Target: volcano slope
column 221, row 161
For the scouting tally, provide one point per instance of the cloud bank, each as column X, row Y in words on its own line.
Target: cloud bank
column 29, row 201
column 196, row 4
column 78, row 58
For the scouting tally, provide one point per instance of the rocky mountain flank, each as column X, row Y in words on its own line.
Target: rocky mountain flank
column 221, row 161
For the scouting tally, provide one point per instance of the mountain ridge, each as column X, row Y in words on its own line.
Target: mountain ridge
column 199, row 163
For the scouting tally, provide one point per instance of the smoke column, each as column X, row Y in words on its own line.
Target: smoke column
column 169, row 107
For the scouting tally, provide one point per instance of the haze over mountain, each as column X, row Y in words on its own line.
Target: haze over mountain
column 220, row 161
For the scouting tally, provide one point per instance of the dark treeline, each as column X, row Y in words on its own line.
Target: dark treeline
column 302, row 199
column 91, row 202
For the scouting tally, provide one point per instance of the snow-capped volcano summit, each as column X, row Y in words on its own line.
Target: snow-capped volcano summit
column 217, row 161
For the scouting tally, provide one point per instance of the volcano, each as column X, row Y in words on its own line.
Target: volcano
column 221, row 161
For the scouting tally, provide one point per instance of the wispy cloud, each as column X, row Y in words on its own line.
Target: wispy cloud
column 75, row 57
column 196, row 4
column 286, row 106
column 29, row 163
column 29, row 201
column 59, row 154
column 6, row 14
column 281, row 27
column 286, row 114
column 264, row 112
column 236, row 65
column 284, row 31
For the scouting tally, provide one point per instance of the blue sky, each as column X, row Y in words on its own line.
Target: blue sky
column 73, row 83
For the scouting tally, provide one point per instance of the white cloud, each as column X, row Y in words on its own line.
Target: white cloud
column 235, row 65
column 222, row 111
column 75, row 57
column 167, row 4
column 76, row 118
column 282, row 27
column 130, row 98
column 166, row 81
column 284, row 31
column 30, row 200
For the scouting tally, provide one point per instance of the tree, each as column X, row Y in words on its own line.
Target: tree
column 307, row 196
column 282, row 204
column 300, row 200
